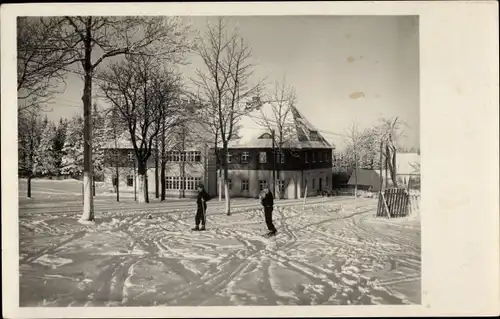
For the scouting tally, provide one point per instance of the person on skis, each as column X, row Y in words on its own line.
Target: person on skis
column 267, row 202
column 201, row 201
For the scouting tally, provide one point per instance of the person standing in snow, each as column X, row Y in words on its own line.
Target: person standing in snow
column 267, row 202
column 201, row 201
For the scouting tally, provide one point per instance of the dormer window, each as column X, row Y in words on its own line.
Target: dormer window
column 313, row 135
column 265, row 136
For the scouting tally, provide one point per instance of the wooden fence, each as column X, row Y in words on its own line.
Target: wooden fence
column 394, row 202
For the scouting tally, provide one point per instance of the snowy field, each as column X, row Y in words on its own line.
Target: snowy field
column 333, row 253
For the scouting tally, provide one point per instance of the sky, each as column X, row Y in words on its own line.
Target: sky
column 344, row 69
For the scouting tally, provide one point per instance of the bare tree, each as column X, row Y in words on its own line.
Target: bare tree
column 354, row 140
column 145, row 93
column 91, row 40
column 390, row 131
column 223, row 86
column 29, row 135
column 280, row 124
column 41, row 61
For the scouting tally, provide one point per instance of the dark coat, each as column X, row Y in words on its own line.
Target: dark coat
column 202, row 195
column 268, row 200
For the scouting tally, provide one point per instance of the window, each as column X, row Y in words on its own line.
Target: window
column 265, row 136
column 182, row 156
column 130, row 155
column 175, row 156
column 182, row 183
column 197, row 181
column 320, row 155
column 244, row 185
column 190, row 183
column 306, row 159
column 280, row 157
column 326, row 182
column 244, row 157
column 262, row 184
column 313, row 157
column 313, row 135
column 262, row 157
column 169, row 182
column 281, row 185
column 229, row 184
column 326, row 157
column 314, row 184
column 197, row 156
column 305, row 183
column 169, row 156
column 176, row 182
column 130, row 180
column 229, row 157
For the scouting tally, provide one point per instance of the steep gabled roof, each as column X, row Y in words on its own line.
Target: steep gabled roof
column 366, row 177
column 298, row 132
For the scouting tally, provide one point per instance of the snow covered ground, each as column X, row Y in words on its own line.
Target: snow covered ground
column 334, row 253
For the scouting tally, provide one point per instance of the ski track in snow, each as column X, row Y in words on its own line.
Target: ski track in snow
column 334, row 253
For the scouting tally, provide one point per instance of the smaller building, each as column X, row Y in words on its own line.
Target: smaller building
column 185, row 168
column 366, row 179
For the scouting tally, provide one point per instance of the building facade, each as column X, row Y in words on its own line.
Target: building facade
column 302, row 165
column 186, row 166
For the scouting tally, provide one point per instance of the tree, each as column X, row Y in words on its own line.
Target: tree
column 389, row 132
column 90, row 40
column 223, row 85
column 354, row 141
column 100, row 134
column 29, row 135
column 279, row 122
column 144, row 92
column 369, row 149
column 58, row 144
column 41, row 60
column 72, row 157
column 44, row 159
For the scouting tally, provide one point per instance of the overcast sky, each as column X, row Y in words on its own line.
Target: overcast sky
column 344, row 69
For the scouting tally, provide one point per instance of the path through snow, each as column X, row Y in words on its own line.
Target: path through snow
column 336, row 253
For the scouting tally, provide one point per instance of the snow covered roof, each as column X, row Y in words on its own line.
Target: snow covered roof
column 297, row 131
column 122, row 142
column 198, row 134
column 406, row 163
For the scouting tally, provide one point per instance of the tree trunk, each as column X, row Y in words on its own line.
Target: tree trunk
column 157, row 182
column 394, row 170
column 220, row 182
column 88, row 203
column 355, row 176
column 117, row 184
column 226, row 191
column 391, row 164
column 163, row 167
column 226, row 181
column 381, row 177
column 143, row 187
column 29, row 185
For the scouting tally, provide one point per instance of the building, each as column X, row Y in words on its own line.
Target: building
column 365, row 179
column 185, row 168
column 301, row 160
